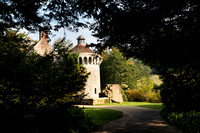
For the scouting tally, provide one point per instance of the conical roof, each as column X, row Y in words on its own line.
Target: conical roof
column 81, row 49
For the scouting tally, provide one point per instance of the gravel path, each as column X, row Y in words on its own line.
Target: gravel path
column 136, row 120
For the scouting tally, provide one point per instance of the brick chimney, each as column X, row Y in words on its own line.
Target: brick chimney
column 43, row 36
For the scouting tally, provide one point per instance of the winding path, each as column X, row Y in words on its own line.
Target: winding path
column 136, row 120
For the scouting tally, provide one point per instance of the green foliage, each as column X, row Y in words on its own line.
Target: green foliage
column 145, row 85
column 35, row 14
column 180, row 92
column 189, row 121
column 39, row 90
column 116, row 69
column 62, row 44
column 144, row 93
column 113, row 68
column 135, row 95
column 124, row 96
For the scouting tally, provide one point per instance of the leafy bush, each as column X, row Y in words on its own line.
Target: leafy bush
column 145, row 93
column 154, row 97
column 135, row 95
column 124, row 96
column 189, row 121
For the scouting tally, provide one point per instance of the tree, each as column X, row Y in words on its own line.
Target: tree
column 116, row 69
column 62, row 44
column 36, row 89
column 33, row 15
column 113, row 68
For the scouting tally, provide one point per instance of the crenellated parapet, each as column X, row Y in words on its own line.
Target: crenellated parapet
column 90, row 59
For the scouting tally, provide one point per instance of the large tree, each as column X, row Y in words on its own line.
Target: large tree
column 38, row 89
column 116, row 69
column 35, row 14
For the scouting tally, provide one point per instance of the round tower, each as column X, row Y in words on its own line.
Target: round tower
column 91, row 62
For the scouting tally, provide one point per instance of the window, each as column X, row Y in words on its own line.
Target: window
column 90, row 60
column 85, row 60
column 95, row 90
column 97, row 60
column 80, row 60
column 94, row 62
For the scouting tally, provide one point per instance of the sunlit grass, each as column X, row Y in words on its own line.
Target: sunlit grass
column 137, row 104
column 102, row 116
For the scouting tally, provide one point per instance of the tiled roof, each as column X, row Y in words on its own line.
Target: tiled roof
column 81, row 49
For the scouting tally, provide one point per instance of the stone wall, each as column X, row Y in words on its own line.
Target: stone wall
column 114, row 92
column 95, row 101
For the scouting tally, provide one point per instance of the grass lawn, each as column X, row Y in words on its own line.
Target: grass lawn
column 102, row 116
column 137, row 104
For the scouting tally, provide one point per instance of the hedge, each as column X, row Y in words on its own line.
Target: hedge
column 188, row 121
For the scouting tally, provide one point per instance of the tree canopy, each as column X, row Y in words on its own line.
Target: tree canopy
column 116, row 69
column 35, row 14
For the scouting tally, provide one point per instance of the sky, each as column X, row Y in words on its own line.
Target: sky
column 69, row 36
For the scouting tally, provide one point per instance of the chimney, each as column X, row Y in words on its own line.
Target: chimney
column 43, row 35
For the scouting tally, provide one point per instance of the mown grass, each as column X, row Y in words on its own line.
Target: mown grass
column 102, row 116
column 158, row 106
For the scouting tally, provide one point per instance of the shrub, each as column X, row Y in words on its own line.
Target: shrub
column 154, row 97
column 189, row 121
column 124, row 96
column 140, row 96
column 135, row 95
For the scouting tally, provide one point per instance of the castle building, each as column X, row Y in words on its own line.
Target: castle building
column 91, row 61
column 43, row 47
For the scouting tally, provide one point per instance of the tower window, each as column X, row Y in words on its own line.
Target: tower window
column 97, row 60
column 90, row 60
column 85, row 60
column 80, row 60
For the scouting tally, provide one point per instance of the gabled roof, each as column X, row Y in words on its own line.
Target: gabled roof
column 81, row 49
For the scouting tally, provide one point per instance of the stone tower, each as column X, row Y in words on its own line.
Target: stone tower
column 91, row 62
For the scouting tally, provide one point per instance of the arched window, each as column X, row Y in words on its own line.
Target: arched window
column 94, row 61
column 97, row 60
column 90, row 60
column 80, row 61
column 85, row 60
